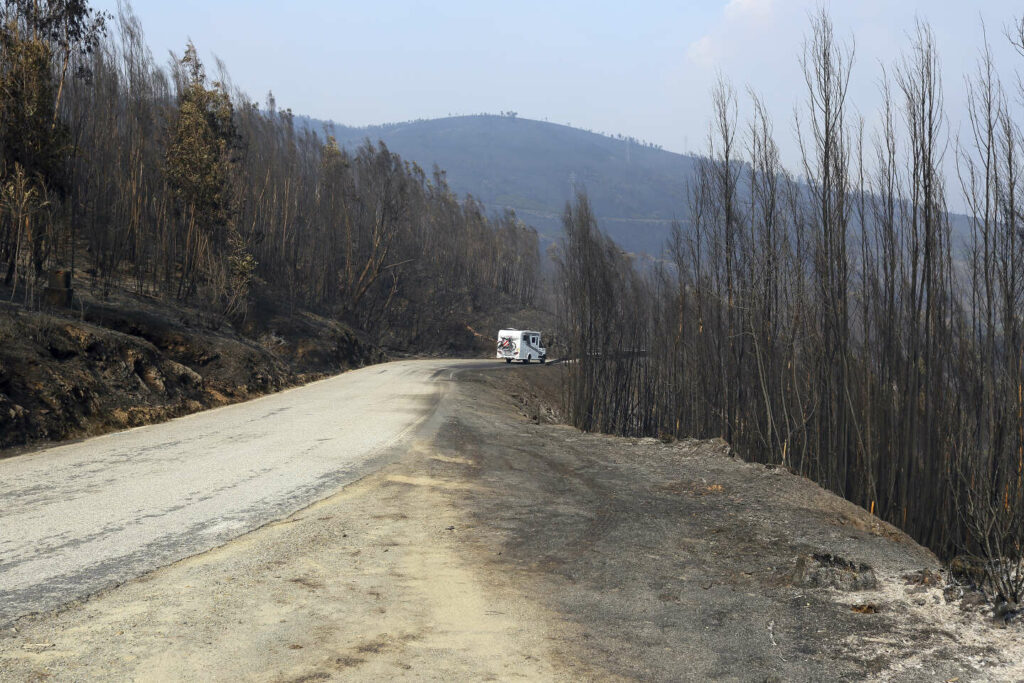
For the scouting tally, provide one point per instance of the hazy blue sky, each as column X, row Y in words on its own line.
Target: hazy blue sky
column 641, row 68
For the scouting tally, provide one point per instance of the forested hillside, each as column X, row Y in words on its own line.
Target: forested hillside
column 169, row 183
column 831, row 326
column 534, row 167
column 167, row 241
column 636, row 190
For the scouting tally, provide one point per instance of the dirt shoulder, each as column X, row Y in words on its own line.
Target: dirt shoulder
column 499, row 547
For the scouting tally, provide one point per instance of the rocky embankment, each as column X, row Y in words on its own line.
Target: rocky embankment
column 132, row 361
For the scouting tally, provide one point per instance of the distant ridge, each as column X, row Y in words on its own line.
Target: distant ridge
column 532, row 166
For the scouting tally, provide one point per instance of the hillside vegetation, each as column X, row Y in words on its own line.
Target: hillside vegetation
column 636, row 190
column 534, row 167
column 830, row 326
column 136, row 198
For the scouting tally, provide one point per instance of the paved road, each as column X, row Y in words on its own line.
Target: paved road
column 77, row 518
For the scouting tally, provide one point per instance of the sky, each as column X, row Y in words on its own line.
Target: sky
column 643, row 68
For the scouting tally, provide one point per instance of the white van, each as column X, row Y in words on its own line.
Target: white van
column 521, row 345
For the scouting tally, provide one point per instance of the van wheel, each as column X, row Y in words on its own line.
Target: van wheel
column 543, row 360
column 508, row 360
column 526, row 361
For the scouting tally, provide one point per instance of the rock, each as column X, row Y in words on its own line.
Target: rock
column 923, row 577
column 824, row 570
column 182, row 373
column 152, row 379
column 969, row 571
column 972, row 600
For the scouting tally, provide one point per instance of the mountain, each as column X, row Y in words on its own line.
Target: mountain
column 636, row 190
column 530, row 166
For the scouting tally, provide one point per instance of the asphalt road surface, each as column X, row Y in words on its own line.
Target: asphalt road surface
column 81, row 517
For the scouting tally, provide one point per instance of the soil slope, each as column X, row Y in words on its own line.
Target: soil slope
column 128, row 360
